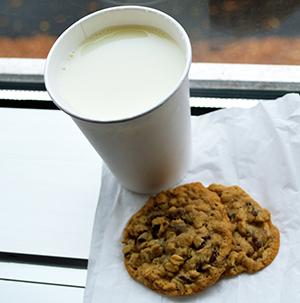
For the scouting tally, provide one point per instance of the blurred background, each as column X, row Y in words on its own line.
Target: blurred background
column 222, row 31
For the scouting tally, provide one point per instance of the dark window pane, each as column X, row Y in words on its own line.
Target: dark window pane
column 227, row 31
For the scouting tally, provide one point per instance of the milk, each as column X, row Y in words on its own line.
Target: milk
column 121, row 72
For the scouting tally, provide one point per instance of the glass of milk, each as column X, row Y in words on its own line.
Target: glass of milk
column 122, row 75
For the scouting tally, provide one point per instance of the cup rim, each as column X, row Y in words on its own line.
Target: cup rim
column 185, row 72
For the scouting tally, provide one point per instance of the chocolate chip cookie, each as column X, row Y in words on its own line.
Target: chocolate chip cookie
column 177, row 244
column 255, row 238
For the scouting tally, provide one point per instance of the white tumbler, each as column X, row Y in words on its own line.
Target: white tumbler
column 150, row 151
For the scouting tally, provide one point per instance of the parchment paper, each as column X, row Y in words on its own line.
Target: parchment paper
column 258, row 149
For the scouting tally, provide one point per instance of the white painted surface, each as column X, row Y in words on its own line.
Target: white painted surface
column 49, row 180
column 245, row 72
column 223, row 102
column 22, row 66
column 13, row 94
column 42, row 274
column 18, row 292
column 199, row 71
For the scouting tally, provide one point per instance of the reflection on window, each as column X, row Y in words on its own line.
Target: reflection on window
column 226, row 31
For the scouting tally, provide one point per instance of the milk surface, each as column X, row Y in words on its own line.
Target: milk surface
column 121, row 72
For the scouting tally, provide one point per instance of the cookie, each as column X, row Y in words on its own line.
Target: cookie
column 255, row 238
column 177, row 244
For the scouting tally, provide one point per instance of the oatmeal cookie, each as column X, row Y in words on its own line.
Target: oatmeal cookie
column 255, row 238
column 177, row 244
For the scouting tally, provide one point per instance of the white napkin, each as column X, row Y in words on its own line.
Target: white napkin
column 258, row 149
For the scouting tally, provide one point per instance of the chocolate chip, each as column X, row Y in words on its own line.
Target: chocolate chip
column 257, row 243
column 231, row 215
column 126, row 254
column 254, row 212
column 199, row 267
column 214, row 255
column 142, row 238
column 205, row 238
column 185, row 280
column 202, row 245
column 155, row 230
column 194, row 246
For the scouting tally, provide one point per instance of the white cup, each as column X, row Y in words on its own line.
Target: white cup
column 148, row 152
